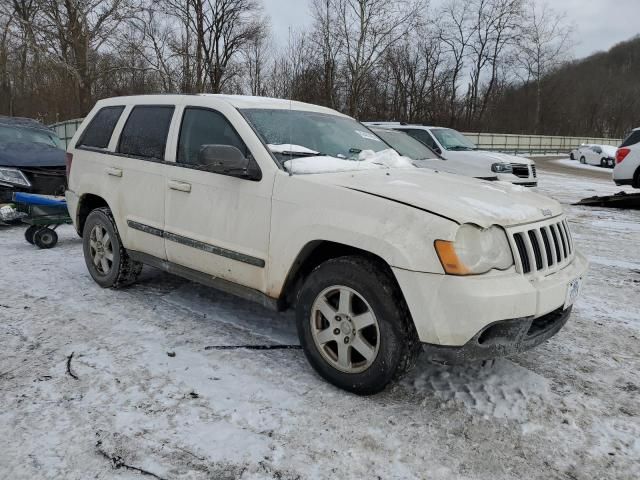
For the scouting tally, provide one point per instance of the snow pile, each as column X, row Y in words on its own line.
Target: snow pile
column 367, row 160
column 500, row 389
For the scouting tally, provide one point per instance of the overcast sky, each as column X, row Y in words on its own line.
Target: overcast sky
column 598, row 24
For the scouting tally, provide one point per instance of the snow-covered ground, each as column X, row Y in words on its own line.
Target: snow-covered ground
column 150, row 396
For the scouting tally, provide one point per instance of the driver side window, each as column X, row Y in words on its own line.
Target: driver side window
column 202, row 127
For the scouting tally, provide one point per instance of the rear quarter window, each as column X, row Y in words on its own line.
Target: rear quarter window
column 98, row 132
column 631, row 139
column 145, row 133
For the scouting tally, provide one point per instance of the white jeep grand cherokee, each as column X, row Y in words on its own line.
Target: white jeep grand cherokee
column 295, row 205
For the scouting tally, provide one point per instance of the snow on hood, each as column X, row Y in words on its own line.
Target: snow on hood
column 367, row 160
column 16, row 154
column 462, row 199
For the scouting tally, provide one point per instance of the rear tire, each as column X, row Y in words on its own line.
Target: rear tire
column 354, row 325
column 604, row 163
column 572, row 156
column 107, row 260
column 583, row 160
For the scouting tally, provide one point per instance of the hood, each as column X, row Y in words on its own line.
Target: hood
column 31, row 155
column 461, row 199
column 486, row 156
column 466, row 167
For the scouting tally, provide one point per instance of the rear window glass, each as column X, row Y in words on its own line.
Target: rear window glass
column 145, row 133
column 631, row 139
column 99, row 131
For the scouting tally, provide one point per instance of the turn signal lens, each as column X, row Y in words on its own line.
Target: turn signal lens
column 621, row 154
column 449, row 258
column 69, row 161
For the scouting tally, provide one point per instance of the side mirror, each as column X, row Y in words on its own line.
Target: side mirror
column 224, row 159
column 438, row 150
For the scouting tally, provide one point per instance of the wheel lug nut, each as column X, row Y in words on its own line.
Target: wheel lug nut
column 338, row 318
column 346, row 339
column 336, row 331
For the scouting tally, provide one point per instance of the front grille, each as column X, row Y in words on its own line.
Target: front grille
column 542, row 247
column 533, row 171
column 520, row 170
column 46, row 180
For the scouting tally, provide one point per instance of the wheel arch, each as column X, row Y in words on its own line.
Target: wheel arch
column 88, row 203
column 313, row 254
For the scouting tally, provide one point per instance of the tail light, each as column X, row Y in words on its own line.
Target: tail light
column 621, row 154
column 69, row 161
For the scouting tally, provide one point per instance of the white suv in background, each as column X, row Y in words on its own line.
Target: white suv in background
column 627, row 169
column 451, row 144
column 298, row 206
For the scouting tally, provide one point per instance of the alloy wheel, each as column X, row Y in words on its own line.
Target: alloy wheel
column 101, row 249
column 345, row 329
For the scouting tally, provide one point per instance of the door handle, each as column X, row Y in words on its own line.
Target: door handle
column 179, row 186
column 114, row 172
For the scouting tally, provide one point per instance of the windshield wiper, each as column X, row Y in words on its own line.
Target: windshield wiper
column 289, row 153
column 460, row 147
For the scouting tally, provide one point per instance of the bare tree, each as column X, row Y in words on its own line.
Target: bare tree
column 544, row 45
column 329, row 44
column 222, row 29
column 368, row 28
column 256, row 56
column 73, row 31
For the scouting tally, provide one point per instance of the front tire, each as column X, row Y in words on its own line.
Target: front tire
column 583, row 160
column 572, row 156
column 107, row 260
column 604, row 163
column 354, row 325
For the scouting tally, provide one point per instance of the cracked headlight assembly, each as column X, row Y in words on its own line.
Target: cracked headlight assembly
column 475, row 250
column 13, row 176
column 502, row 168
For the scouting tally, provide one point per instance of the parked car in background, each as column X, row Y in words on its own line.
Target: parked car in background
column 298, row 206
column 453, row 145
column 424, row 157
column 600, row 155
column 31, row 159
column 627, row 169
column 576, row 152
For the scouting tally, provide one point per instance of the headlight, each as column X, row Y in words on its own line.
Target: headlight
column 13, row 176
column 501, row 168
column 475, row 250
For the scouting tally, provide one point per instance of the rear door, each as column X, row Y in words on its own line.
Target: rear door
column 137, row 173
column 215, row 223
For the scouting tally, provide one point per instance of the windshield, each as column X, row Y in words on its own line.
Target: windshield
column 27, row 135
column 452, row 139
column 295, row 133
column 405, row 145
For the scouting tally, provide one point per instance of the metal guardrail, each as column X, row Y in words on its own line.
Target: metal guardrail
column 66, row 130
column 497, row 142
column 534, row 144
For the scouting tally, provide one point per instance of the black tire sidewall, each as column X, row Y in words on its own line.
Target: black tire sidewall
column 29, row 234
column 98, row 217
column 378, row 291
column 41, row 234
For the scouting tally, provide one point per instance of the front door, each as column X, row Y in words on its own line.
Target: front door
column 214, row 223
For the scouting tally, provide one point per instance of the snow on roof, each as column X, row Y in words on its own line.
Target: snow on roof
column 22, row 122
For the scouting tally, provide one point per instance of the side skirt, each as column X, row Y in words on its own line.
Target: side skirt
column 208, row 280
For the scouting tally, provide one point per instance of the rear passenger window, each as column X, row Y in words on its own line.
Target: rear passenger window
column 205, row 127
column 99, row 131
column 423, row 136
column 145, row 133
column 631, row 139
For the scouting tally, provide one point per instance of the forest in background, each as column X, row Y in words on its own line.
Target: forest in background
column 476, row 65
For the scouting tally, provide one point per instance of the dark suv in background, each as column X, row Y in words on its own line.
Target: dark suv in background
column 31, row 159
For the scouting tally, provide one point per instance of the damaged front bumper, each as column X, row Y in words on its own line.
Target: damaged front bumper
column 502, row 338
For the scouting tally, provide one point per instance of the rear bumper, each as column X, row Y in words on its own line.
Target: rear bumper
column 502, row 338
